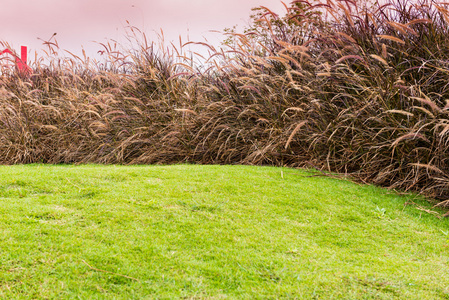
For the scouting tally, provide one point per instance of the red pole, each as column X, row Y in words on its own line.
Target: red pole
column 22, row 61
column 24, row 54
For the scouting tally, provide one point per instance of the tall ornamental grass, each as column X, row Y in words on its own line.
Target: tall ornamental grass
column 354, row 88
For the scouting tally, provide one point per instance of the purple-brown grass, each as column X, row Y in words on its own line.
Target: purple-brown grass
column 348, row 88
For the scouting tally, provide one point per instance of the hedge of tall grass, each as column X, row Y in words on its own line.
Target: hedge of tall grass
column 346, row 87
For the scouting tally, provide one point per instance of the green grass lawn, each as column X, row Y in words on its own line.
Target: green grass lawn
column 212, row 232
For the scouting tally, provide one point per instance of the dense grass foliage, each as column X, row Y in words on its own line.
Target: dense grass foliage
column 213, row 232
column 345, row 87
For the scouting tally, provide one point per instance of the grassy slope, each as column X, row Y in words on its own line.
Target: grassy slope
column 212, row 231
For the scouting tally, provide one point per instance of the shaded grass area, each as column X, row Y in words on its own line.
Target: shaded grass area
column 192, row 231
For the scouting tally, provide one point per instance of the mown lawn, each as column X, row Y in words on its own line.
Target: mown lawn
column 212, row 232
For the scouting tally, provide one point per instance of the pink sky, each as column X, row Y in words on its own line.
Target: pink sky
column 81, row 22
